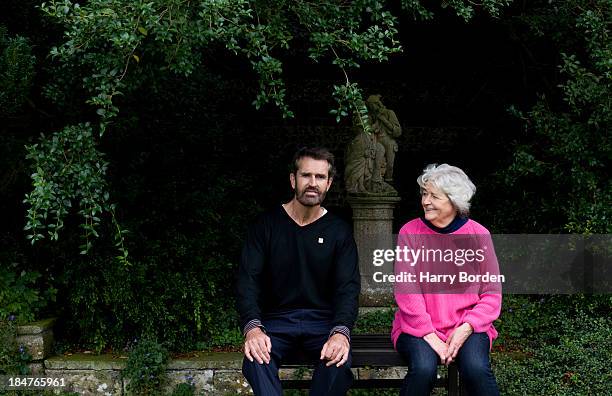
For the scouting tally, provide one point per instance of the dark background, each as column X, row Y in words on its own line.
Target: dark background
column 450, row 88
column 192, row 162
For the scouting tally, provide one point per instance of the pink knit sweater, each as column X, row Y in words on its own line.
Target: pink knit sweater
column 421, row 314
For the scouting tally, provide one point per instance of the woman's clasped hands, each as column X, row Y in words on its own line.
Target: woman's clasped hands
column 447, row 351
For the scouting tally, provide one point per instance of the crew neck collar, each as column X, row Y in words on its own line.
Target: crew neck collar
column 454, row 225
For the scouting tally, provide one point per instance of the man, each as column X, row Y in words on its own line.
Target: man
column 298, row 284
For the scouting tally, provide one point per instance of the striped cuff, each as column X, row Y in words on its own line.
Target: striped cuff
column 342, row 330
column 251, row 325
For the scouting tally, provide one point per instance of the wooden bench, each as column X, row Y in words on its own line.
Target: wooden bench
column 374, row 351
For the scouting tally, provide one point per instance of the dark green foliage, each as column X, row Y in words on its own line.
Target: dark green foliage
column 8, row 346
column 184, row 389
column 69, row 169
column 521, row 316
column 23, row 292
column 18, row 296
column 567, row 145
column 117, row 44
column 187, row 203
column 16, row 72
column 531, row 321
column 175, row 294
column 224, row 333
column 108, row 38
column 180, row 284
column 577, row 363
column 349, row 99
column 145, row 368
column 14, row 358
column 375, row 322
column 553, row 345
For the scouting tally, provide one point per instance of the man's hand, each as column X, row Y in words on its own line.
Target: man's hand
column 336, row 350
column 437, row 345
column 456, row 340
column 257, row 346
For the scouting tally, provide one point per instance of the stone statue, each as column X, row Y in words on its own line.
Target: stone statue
column 369, row 157
column 386, row 127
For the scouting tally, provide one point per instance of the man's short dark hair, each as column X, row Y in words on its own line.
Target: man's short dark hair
column 318, row 153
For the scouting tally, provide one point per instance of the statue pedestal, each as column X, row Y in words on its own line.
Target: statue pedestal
column 372, row 228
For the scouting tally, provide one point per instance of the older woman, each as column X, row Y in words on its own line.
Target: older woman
column 432, row 327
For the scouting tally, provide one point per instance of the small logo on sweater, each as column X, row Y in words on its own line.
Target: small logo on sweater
column 320, row 240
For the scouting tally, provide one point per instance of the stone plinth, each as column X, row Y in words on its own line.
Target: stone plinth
column 37, row 338
column 372, row 227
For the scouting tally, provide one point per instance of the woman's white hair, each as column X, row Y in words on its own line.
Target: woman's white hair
column 453, row 182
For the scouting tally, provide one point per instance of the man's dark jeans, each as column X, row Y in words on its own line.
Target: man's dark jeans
column 472, row 360
column 304, row 329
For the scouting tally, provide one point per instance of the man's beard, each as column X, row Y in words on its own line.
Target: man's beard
column 307, row 200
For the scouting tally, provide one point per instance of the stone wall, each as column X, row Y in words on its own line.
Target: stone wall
column 212, row 373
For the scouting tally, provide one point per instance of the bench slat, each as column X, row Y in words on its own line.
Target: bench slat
column 362, row 384
column 375, row 351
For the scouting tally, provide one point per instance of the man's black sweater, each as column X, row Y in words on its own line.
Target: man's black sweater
column 287, row 266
